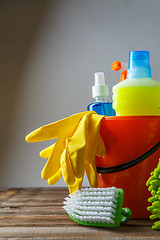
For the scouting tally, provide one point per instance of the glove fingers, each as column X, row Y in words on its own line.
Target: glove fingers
column 53, row 130
column 67, row 172
column 45, row 153
column 55, row 178
column 101, row 149
column 77, row 147
column 53, row 163
column 92, row 139
column 76, row 186
column 43, row 133
column 91, row 172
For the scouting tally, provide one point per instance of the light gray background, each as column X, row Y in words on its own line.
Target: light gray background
column 72, row 40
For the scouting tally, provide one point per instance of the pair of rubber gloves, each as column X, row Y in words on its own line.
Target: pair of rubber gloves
column 78, row 142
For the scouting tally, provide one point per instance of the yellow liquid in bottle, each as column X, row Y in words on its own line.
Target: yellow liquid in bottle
column 136, row 100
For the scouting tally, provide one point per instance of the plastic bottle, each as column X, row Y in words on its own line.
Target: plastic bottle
column 139, row 94
column 100, row 94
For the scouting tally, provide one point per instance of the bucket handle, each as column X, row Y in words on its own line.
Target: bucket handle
column 129, row 164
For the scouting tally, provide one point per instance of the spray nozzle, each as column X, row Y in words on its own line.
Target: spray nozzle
column 122, row 67
column 100, row 89
column 99, row 78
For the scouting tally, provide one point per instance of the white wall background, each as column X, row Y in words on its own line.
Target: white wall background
column 74, row 40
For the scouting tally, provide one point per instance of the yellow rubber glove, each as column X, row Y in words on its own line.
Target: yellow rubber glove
column 76, row 186
column 61, row 129
column 82, row 147
column 90, row 168
column 45, row 153
column 55, row 178
column 77, row 146
column 74, row 152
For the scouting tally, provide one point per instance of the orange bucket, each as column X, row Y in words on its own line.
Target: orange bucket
column 128, row 141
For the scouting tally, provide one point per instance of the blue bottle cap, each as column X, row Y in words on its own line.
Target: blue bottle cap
column 138, row 65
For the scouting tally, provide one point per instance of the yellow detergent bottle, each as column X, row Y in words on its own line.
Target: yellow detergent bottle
column 139, row 94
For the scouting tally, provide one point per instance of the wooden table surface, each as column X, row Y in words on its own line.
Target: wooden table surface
column 36, row 213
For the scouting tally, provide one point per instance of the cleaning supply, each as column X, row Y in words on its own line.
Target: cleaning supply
column 100, row 207
column 153, row 185
column 100, row 94
column 74, row 152
column 132, row 138
column 139, row 94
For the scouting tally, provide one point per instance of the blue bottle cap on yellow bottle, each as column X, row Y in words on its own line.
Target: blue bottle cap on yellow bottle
column 139, row 65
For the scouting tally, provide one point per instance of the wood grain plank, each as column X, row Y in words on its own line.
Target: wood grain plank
column 79, row 232
column 6, row 194
column 36, row 213
column 33, row 210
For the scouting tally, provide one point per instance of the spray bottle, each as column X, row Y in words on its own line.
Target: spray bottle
column 139, row 94
column 100, row 94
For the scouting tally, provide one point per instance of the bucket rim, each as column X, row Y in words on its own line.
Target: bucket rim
column 131, row 117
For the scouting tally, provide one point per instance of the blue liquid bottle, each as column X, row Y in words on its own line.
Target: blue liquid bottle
column 100, row 94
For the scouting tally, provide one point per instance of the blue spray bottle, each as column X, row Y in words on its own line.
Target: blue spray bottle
column 100, row 94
